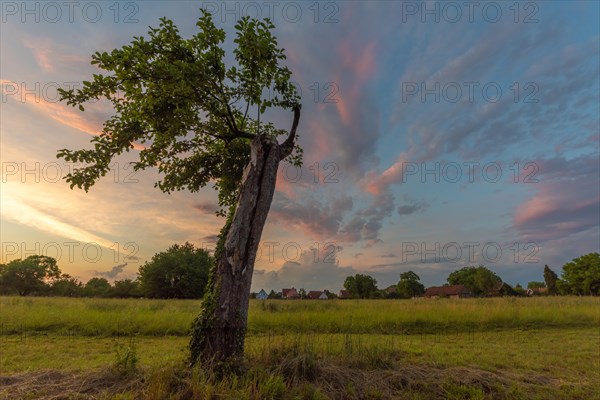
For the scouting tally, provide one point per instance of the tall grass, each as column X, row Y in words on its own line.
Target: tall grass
column 498, row 348
column 537, row 364
column 108, row 317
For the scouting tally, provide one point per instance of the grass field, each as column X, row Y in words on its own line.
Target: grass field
column 500, row 348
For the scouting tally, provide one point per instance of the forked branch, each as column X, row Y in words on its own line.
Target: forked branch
column 288, row 145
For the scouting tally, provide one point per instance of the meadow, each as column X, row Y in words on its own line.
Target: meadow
column 494, row 348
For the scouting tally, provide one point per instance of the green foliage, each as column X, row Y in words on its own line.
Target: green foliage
column 126, row 358
column 410, row 285
column 178, row 97
column 536, row 285
column 479, row 279
column 126, row 288
column 97, row 287
column 581, row 276
column 179, row 272
column 520, row 290
column 274, row 295
column 361, row 286
column 550, row 278
column 204, row 322
column 67, row 286
column 32, row 275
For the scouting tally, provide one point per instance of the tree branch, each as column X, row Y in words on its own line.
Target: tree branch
column 288, row 145
column 243, row 134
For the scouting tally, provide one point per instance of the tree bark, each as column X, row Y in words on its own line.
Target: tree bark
column 218, row 332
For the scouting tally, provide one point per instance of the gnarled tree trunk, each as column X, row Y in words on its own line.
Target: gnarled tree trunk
column 219, row 331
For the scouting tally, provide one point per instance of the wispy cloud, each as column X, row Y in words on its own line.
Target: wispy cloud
column 26, row 212
column 112, row 273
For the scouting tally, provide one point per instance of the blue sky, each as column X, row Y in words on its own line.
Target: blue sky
column 436, row 136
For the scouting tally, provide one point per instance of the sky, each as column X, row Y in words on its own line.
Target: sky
column 436, row 135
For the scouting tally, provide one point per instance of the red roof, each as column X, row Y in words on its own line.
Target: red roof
column 314, row 294
column 289, row 293
column 344, row 294
column 448, row 290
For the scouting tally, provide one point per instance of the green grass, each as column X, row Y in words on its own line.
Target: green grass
column 538, row 348
column 97, row 317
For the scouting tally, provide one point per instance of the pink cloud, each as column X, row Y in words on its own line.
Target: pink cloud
column 285, row 185
column 89, row 123
column 558, row 210
column 59, row 112
column 41, row 52
column 566, row 202
column 361, row 63
column 290, row 178
column 376, row 184
column 537, row 207
column 48, row 53
column 342, row 109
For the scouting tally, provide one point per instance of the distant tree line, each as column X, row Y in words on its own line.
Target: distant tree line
column 580, row 276
column 181, row 272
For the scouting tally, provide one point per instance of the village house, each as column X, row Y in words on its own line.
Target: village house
column 537, row 291
column 289, row 294
column 262, row 295
column 317, row 295
column 451, row 291
column 344, row 294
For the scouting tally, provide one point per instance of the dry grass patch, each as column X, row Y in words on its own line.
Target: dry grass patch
column 55, row 385
column 300, row 376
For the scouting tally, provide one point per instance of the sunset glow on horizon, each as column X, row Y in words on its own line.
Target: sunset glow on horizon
column 417, row 155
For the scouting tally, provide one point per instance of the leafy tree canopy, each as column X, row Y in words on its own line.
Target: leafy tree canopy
column 194, row 114
column 66, row 286
column 410, row 285
column 126, row 288
column 551, row 279
column 581, row 276
column 361, row 286
column 479, row 279
column 97, row 287
column 29, row 276
column 536, row 285
column 178, row 272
